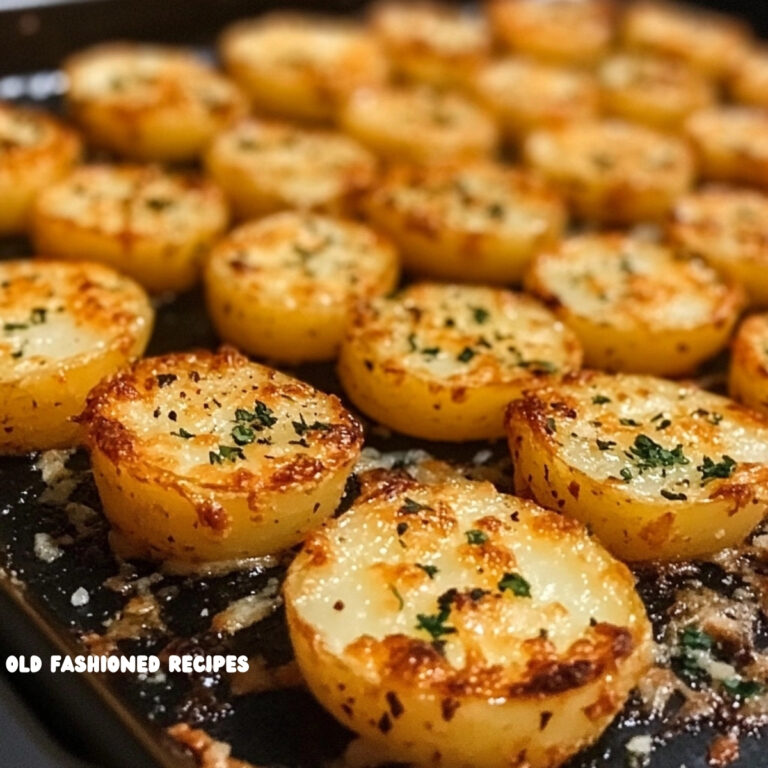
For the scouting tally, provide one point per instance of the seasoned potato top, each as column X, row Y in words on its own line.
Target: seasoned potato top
column 563, row 24
column 624, row 281
column 428, row 115
column 729, row 223
column 454, row 587
column 429, row 27
column 308, row 167
column 739, row 131
column 296, row 257
column 134, row 78
column 53, row 313
column 219, row 421
column 327, row 50
column 132, row 201
column 542, row 90
column 750, row 81
column 667, row 82
column 750, row 347
column 657, row 439
column 711, row 40
column 482, row 198
column 28, row 137
column 465, row 335
column 609, row 151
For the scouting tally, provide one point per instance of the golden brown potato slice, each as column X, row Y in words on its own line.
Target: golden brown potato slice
column 570, row 32
column 301, row 66
column 63, row 327
column 657, row 469
column 155, row 226
column 476, row 223
column 204, row 457
column 35, row 151
column 431, row 42
column 611, row 171
column 442, row 361
column 634, row 306
column 419, row 125
column 749, row 81
column 711, row 42
column 728, row 228
column 731, row 143
column 748, row 379
column 525, row 94
column 149, row 102
column 284, row 287
column 653, row 90
column 266, row 167
column 429, row 612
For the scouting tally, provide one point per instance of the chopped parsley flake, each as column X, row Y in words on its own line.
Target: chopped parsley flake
column 476, row 536
column 430, row 570
column 226, row 453
column 411, row 507
column 435, row 623
column 711, row 470
column 301, row 427
column 480, row 314
column 742, row 689
column 626, row 474
column 629, row 423
column 183, row 434
column 466, row 355
column 672, row 496
column 600, row 400
column 516, row 584
column 649, row 454
column 243, row 435
column 394, row 590
column 605, row 445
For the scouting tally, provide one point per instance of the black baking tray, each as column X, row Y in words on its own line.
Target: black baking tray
column 118, row 721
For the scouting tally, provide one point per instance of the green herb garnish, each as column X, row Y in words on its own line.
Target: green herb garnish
column 516, row 584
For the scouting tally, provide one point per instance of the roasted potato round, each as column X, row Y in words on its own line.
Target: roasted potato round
column 431, row 42
column 419, row 125
column 657, row 91
column 267, row 167
column 525, row 94
column 63, row 327
column 35, row 151
column 283, row 287
column 562, row 31
column 301, row 66
column 748, row 376
column 471, row 223
column 711, row 42
column 442, row 361
column 149, row 102
column 731, row 143
column 611, row 171
column 659, row 470
column 155, row 226
column 749, row 81
column 634, row 306
column 204, row 457
column 429, row 612
column 729, row 229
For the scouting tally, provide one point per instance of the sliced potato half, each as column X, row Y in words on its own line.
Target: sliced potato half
column 525, row 94
column 284, row 287
column 728, row 228
column 657, row 469
column 569, row 32
column 155, row 226
column 731, row 143
column 63, row 327
column 442, row 361
column 419, row 125
column 654, row 90
column 429, row 612
column 477, row 223
column 266, row 167
column 748, row 377
column 431, row 42
column 35, row 150
column 749, row 82
column 149, row 102
column 205, row 457
column 301, row 66
column 634, row 306
column 611, row 171
column 711, row 42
